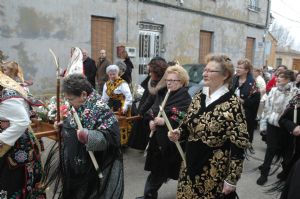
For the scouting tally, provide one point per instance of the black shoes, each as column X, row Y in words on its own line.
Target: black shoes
column 262, row 180
column 251, row 150
column 282, row 175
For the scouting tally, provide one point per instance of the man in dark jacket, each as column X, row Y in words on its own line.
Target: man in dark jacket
column 102, row 64
column 89, row 67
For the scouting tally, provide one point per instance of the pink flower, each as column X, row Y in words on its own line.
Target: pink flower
column 64, row 110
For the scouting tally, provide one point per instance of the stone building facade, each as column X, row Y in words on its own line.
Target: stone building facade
column 185, row 30
column 288, row 57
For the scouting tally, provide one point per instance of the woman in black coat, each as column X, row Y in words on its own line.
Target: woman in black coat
column 291, row 164
column 140, row 131
column 163, row 159
column 244, row 86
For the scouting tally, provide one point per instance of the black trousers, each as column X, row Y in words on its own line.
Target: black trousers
column 153, row 183
column 275, row 143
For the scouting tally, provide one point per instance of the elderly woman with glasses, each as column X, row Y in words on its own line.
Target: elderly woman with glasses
column 215, row 132
column 163, row 159
column 116, row 91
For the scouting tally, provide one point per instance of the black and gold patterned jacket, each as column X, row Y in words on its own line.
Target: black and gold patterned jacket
column 216, row 138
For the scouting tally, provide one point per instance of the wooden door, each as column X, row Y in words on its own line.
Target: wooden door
column 250, row 48
column 205, row 45
column 102, row 30
column 296, row 64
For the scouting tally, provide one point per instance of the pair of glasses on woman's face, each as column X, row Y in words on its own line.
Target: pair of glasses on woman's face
column 210, row 70
column 172, row 80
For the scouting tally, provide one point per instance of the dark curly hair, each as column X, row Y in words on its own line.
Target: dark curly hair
column 158, row 65
column 75, row 84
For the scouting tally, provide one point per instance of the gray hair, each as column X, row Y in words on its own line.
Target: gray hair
column 122, row 66
column 112, row 68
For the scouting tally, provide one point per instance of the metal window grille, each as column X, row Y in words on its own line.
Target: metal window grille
column 253, row 5
column 149, row 44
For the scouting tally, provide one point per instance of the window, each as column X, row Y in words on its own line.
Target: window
column 278, row 61
column 149, row 44
column 253, row 5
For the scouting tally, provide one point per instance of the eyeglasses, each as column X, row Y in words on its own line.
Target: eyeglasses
column 70, row 99
column 240, row 68
column 211, row 71
column 172, row 80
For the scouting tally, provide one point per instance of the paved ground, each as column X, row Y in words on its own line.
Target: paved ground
column 247, row 188
column 135, row 176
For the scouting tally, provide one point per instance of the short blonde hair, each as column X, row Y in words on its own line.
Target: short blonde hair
column 181, row 72
column 15, row 70
column 247, row 64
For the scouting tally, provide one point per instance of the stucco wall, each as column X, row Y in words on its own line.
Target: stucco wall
column 287, row 59
column 29, row 28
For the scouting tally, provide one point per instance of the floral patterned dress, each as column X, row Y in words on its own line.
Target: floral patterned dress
column 80, row 179
column 216, row 138
column 21, row 169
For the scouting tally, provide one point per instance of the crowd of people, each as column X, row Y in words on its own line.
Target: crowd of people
column 215, row 128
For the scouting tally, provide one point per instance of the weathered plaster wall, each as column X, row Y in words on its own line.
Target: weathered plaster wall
column 182, row 34
column 287, row 58
column 29, row 28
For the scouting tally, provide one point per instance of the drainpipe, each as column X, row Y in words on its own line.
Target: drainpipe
column 127, row 8
column 266, row 31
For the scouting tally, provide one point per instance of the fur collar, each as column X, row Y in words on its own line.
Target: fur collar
column 154, row 89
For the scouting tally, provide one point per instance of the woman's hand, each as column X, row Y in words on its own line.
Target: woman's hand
column 174, row 135
column 124, row 111
column 227, row 188
column 242, row 101
column 82, row 136
column 57, row 125
column 159, row 121
column 152, row 125
column 296, row 131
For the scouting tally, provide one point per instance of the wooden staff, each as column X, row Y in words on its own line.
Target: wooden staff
column 295, row 113
column 171, row 129
column 158, row 115
column 295, row 121
column 92, row 156
column 57, row 87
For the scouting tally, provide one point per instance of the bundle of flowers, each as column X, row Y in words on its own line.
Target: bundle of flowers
column 47, row 113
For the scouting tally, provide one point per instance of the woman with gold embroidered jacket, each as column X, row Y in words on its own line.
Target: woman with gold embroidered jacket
column 20, row 164
column 216, row 133
column 116, row 92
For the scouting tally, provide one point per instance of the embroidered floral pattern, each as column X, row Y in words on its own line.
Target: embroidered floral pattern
column 177, row 115
column 24, row 155
column 213, row 127
column 94, row 114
